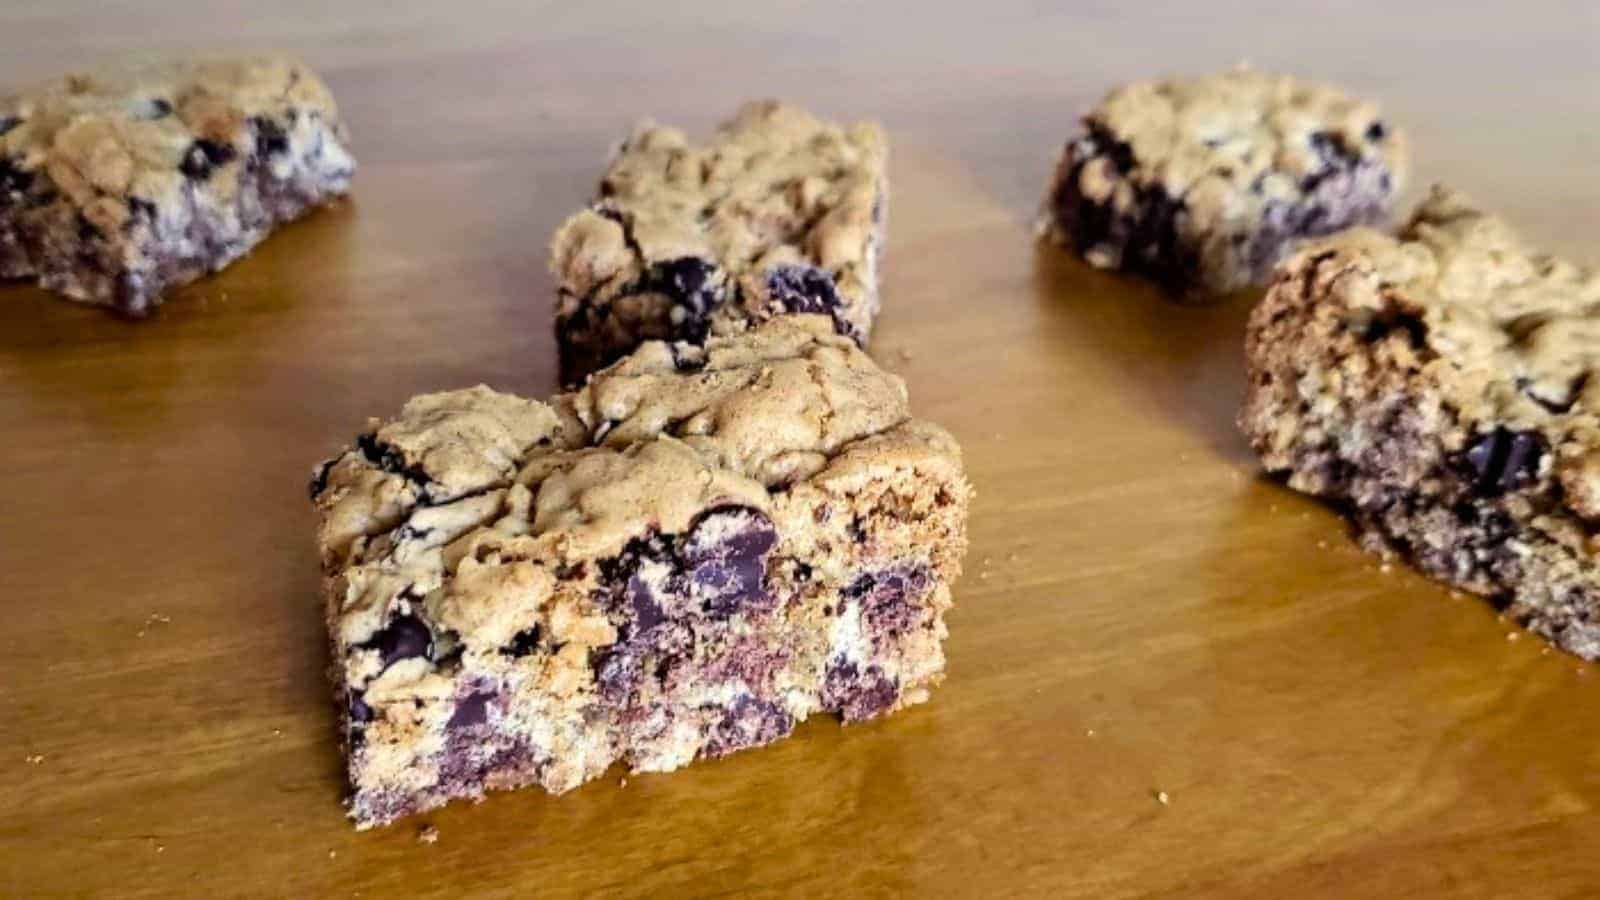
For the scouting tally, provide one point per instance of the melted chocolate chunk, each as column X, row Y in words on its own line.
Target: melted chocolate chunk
column 630, row 592
column 1148, row 239
column 616, row 672
column 271, row 139
column 857, row 694
column 803, row 289
column 471, row 710
column 725, row 557
column 7, row 123
column 357, row 715
column 1503, row 460
column 404, row 637
column 141, row 208
column 1377, row 131
column 692, row 285
column 659, row 587
column 808, row 289
column 890, row 598
column 1103, row 143
column 748, row 722
column 13, row 179
column 360, row 713
column 204, row 156
column 647, row 612
column 523, row 642
column 1334, row 157
column 389, row 458
column 319, row 478
column 1392, row 321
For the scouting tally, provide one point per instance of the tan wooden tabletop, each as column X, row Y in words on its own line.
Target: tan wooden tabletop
column 1142, row 616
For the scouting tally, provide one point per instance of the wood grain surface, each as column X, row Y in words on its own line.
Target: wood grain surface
column 1142, row 618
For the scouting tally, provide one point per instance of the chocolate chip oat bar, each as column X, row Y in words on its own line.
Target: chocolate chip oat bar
column 1439, row 385
column 778, row 213
column 117, row 185
column 1203, row 184
column 699, row 549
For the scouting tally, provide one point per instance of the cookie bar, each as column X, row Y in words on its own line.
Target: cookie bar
column 1203, row 184
column 699, row 549
column 117, row 185
column 779, row 212
column 1438, row 385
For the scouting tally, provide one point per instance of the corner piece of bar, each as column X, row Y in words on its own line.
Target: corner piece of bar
column 118, row 184
column 778, row 213
column 701, row 548
column 1437, row 384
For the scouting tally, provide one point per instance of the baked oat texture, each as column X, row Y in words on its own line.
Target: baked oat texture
column 119, row 184
column 1438, row 385
column 1203, row 184
column 779, row 212
column 699, row 549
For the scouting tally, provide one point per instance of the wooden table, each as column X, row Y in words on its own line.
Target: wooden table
column 1142, row 616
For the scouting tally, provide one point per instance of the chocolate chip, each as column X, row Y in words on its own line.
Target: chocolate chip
column 808, row 289
column 1104, row 143
column 1328, row 145
column 1334, row 156
column 647, row 612
column 725, row 556
column 87, row 230
column 271, row 138
column 319, row 478
column 404, row 637
column 855, row 693
column 1377, row 131
column 203, row 156
column 803, row 289
column 8, row 122
column 616, row 671
column 471, row 710
column 1156, row 234
column 524, row 642
column 695, row 290
column 13, row 179
column 748, row 722
column 1382, row 325
column 390, row 459
column 890, row 598
column 357, row 715
column 140, row 208
column 1504, row 460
